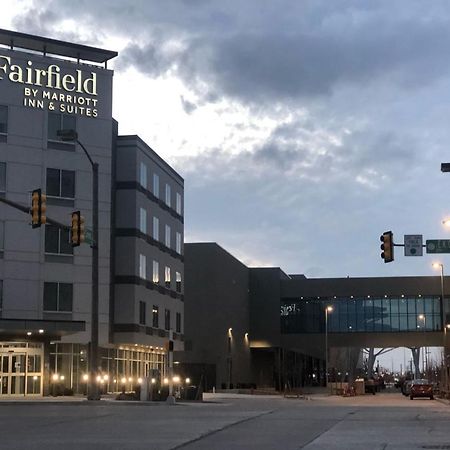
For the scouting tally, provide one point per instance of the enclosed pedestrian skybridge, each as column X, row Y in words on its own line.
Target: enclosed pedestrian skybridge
column 370, row 312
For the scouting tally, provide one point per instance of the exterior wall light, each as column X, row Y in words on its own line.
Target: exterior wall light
column 188, row 380
column 55, row 377
column 41, row 331
column 85, row 377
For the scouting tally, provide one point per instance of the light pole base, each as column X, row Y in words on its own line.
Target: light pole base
column 171, row 400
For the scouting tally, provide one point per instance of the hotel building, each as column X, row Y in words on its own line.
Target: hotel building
column 45, row 284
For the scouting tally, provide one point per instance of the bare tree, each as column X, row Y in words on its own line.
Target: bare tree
column 372, row 355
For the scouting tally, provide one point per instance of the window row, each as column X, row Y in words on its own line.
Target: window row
column 143, row 181
column 155, row 231
column 56, row 122
column 59, row 182
column 156, row 278
column 155, row 317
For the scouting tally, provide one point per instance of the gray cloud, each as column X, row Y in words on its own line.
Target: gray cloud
column 359, row 91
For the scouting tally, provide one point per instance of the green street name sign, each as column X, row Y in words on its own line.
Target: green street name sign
column 88, row 236
column 438, row 246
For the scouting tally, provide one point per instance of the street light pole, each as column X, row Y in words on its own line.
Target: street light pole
column 93, row 391
column 328, row 309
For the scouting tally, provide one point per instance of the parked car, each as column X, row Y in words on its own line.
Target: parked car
column 406, row 387
column 421, row 388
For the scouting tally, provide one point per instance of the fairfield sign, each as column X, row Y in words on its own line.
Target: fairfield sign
column 50, row 89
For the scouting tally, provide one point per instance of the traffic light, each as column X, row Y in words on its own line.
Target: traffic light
column 387, row 246
column 77, row 229
column 38, row 208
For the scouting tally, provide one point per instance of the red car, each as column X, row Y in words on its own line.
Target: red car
column 421, row 388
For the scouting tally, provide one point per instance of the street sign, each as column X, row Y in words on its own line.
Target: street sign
column 88, row 236
column 438, row 245
column 413, row 245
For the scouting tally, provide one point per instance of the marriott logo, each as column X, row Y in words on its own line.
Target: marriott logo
column 49, row 78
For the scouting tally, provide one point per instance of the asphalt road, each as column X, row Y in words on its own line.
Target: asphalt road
column 387, row 421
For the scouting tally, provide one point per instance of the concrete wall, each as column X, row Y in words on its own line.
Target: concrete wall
column 130, row 242
column 216, row 299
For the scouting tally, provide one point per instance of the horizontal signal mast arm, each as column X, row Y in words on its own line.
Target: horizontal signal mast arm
column 26, row 210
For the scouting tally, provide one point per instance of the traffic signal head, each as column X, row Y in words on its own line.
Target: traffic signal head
column 38, row 208
column 77, row 229
column 387, row 246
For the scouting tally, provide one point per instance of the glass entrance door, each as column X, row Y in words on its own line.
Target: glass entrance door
column 12, row 373
column 20, row 369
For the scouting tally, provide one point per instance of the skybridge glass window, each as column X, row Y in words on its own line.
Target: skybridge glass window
column 362, row 314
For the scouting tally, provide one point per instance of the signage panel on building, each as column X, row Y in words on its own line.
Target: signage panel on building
column 52, row 87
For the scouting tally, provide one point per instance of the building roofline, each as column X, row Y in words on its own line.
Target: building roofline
column 139, row 140
column 54, row 47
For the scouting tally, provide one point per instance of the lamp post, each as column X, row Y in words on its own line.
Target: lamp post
column 424, row 361
column 445, row 325
column 229, row 357
column 93, row 392
column 328, row 309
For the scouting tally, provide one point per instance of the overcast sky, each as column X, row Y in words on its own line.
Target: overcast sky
column 303, row 129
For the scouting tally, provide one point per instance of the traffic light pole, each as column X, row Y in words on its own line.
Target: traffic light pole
column 93, row 392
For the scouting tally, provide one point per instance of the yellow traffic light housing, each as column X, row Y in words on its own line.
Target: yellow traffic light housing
column 77, row 229
column 387, row 246
column 38, row 208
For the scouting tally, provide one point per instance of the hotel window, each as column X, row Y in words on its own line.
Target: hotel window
column 167, row 277
column 58, row 297
column 143, row 175
column 60, row 183
column 2, row 177
column 59, row 122
column 178, row 203
column 178, row 323
column 142, row 313
column 155, row 316
column 168, row 194
column 167, row 319
column 2, row 235
column 155, row 228
column 57, row 241
column 156, row 185
column 142, row 266
column 143, row 220
column 167, row 236
column 155, row 272
column 178, row 281
column 178, row 243
column 3, row 119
